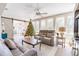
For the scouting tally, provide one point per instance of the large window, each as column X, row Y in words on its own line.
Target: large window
column 43, row 25
column 70, row 24
column 36, row 26
column 50, row 24
column 60, row 22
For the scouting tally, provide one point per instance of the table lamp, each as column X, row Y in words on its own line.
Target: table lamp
column 62, row 30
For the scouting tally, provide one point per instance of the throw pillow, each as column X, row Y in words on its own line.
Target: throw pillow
column 49, row 35
column 11, row 45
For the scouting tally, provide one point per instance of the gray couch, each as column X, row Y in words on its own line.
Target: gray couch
column 46, row 36
column 18, row 51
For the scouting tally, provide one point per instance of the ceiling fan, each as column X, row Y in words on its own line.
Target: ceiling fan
column 38, row 12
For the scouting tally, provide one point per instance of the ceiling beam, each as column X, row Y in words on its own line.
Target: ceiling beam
column 13, row 19
column 38, row 18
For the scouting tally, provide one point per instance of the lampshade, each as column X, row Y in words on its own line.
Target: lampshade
column 61, row 29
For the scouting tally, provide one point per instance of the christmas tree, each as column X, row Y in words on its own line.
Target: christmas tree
column 30, row 29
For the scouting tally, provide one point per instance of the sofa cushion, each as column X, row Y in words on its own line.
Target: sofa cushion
column 21, row 48
column 49, row 35
column 4, row 50
column 10, row 44
column 47, row 38
column 31, row 52
column 16, row 52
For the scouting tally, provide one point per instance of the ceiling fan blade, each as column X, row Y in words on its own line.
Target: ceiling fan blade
column 43, row 13
column 38, row 13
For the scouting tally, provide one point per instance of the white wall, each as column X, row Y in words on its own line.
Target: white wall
column 2, row 6
column 8, row 26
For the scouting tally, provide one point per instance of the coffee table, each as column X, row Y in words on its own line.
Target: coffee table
column 32, row 42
